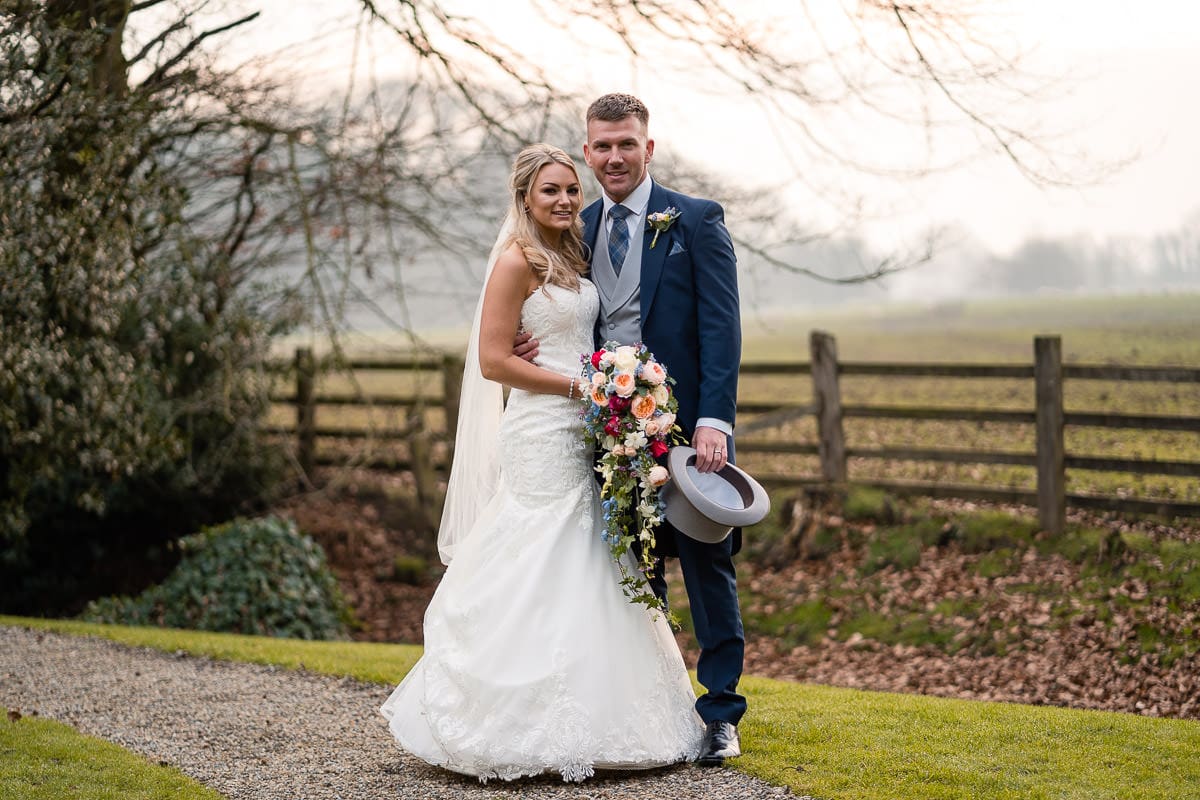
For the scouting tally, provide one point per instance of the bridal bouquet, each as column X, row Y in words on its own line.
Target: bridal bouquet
column 630, row 416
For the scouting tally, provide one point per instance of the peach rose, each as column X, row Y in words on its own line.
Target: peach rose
column 643, row 406
column 658, row 475
column 599, row 379
column 653, row 373
column 599, row 397
column 665, row 421
column 625, row 384
column 651, row 427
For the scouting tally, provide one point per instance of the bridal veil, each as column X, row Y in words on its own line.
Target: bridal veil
column 475, row 471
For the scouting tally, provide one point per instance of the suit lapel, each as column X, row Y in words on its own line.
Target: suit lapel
column 591, row 226
column 653, row 259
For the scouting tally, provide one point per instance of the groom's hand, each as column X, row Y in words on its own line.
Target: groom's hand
column 710, row 449
column 525, row 346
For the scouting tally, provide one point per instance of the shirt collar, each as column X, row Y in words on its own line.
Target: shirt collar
column 637, row 200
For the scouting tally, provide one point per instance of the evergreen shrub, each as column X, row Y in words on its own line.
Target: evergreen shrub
column 256, row 576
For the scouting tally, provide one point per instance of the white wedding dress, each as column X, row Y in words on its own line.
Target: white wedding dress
column 534, row 659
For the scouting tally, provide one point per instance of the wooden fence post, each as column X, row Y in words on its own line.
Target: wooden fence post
column 306, row 410
column 828, row 400
column 452, row 374
column 420, row 456
column 1051, row 476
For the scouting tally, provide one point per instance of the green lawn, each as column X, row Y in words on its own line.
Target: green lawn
column 840, row 743
column 41, row 759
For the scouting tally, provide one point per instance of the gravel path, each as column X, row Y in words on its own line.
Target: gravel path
column 260, row 732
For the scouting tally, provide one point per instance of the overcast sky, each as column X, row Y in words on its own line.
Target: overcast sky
column 1132, row 69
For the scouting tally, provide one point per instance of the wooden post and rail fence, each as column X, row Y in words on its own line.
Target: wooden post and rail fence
column 429, row 448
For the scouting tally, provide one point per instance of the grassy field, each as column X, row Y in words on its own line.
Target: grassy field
column 1159, row 330
column 839, row 743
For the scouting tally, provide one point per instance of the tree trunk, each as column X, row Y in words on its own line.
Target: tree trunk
column 110, row 74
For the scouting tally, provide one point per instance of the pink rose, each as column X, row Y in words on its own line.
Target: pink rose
column 653, row 373
column 658, row 475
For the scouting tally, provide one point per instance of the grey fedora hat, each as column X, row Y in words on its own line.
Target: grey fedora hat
column 708, row 505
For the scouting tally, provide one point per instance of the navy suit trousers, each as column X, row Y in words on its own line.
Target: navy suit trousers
column 711, row 582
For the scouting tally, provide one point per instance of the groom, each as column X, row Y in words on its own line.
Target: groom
column 679, row 296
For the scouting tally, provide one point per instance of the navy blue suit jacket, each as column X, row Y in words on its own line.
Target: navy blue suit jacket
column 689, row 303
column 691, row 320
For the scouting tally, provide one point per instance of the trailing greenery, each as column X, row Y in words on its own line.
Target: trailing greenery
column 840, row 744
column 47, row 760
column 247, row 576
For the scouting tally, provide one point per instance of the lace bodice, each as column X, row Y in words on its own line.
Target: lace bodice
column 562, row 321
column 541, row 440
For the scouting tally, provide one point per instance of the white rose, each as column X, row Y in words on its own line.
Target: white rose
column 625, row 359
column 660, row 395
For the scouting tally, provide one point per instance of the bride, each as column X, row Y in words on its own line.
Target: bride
column 534, row 660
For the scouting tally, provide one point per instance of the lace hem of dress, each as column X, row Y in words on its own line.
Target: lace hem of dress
column 515, row 746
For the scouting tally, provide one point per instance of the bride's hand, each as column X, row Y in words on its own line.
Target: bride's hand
column 525, row 346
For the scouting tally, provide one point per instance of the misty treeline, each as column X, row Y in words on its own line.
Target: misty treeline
column 962, row 267
column 1165, row 261
column 167, row 211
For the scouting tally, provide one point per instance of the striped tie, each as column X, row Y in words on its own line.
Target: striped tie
column 618, row 239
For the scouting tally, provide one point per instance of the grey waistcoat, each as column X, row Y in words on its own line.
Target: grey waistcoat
column 620, row 318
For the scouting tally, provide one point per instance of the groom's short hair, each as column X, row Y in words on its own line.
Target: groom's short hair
column 616, row 107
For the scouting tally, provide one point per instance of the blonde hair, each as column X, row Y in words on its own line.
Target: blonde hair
column 563, row 264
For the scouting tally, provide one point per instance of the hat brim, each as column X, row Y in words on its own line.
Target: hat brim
column 707, row 506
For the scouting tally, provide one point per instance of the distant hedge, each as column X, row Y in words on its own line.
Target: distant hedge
column 260, row 576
